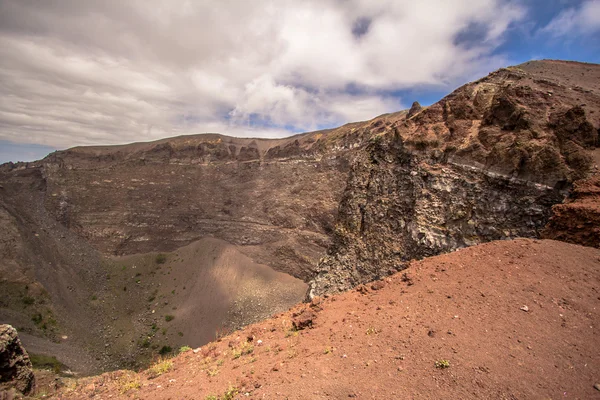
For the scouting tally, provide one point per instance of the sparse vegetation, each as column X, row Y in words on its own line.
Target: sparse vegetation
column 162, row 366
column 28, row 300
column 37, row 318
column 169, row 317
column 128, row 381
column 165, row 350
column 372, row 331
column 230, row 393
column 442, row 364
column 245, row 348
column 183, row 349
column 42, row 361
column 160, row 259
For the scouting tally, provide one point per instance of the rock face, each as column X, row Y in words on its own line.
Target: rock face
column 15, row 366
column 485, row 163
column 577, row 220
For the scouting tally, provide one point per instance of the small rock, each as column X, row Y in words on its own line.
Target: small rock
column 377, row 285
column 304, row 319
column 524, row 308
column 597, row 386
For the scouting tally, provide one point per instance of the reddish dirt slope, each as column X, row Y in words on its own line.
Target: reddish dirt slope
column 514, row 319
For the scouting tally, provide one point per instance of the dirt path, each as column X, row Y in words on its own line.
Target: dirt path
column 513, row 320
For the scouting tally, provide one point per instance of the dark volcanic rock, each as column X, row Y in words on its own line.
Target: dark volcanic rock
column 15, row 366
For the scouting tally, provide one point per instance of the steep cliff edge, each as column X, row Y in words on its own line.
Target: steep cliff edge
column 485, row 163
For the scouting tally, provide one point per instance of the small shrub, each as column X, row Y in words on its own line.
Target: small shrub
column 128, row 381
column 28, row 300
column 42, row 361
column 442, row 364
column 213, row 371
column 183, row 349
column 162, row 366
column 169, row 317
column 230, row 393
column 245, row 348
column 160, row 259
column 37, row 318
column 165, row 350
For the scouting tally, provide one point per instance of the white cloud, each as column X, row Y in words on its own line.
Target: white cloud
column 584, row 19
column 76, row 73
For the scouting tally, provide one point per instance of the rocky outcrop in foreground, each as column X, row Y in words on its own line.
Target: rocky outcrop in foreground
column 577, row 220
column 15, row 367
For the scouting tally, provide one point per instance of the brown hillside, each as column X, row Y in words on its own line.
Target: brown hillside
column 208, row 228
column 513, row 319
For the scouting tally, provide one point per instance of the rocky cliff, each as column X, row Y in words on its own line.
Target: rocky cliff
column 139, row 240
column 485, row 163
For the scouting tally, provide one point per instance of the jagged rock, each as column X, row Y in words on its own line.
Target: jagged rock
column 15, row 366
column 414, row 109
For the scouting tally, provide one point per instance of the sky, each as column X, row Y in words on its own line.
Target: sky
column 100, row 72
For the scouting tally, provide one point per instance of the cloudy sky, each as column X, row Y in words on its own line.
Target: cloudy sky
column 85, row 72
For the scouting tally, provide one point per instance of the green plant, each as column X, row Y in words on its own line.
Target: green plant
column 42, row 361
column 28, row 300
column 160, row 259
column 128, row 381
column 211, row 397
column 165, row 350
column 442, row 364
column 230, row 393
column 162, row 366
column 183, row 349
column 37, row 318
column 245, row 348
column 169, row 317
column 213, row 371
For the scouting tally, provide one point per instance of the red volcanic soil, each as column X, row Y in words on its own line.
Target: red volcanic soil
column 513, row 319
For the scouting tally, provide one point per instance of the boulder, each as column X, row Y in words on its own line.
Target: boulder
column 16, row 370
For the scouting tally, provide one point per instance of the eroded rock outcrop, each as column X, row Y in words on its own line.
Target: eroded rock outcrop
column 485, row 163
column 15, row 367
